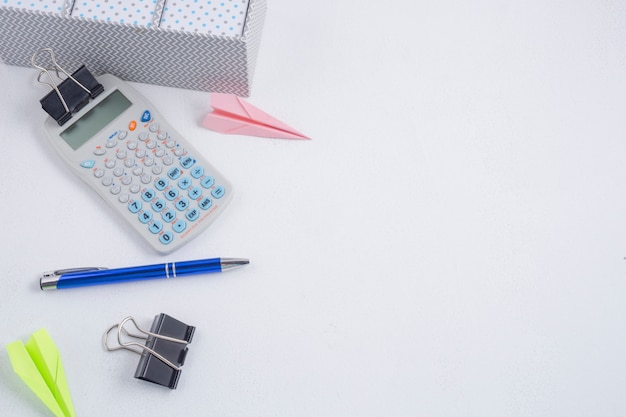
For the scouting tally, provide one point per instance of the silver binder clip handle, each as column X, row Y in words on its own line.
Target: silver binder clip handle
column 56, row 67
column 131, row 345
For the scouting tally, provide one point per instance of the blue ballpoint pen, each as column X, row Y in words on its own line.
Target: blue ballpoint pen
column 80, row 277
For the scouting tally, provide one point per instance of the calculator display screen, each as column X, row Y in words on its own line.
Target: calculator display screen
column 95, row 119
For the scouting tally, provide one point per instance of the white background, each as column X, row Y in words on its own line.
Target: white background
column 451, row 241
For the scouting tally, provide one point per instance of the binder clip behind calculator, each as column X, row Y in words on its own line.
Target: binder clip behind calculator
column 164, row 351
column 71, row 94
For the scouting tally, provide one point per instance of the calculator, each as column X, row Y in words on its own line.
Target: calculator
column 126, row 151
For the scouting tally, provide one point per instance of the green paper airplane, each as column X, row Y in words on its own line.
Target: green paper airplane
column 38, row 363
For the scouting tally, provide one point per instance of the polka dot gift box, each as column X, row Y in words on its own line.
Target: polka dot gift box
column 204, row 45
column 214, row 17
column 136, row 12
column 50, row 6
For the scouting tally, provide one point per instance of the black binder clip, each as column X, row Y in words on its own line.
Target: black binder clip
column 71, row 95
column 164, row 351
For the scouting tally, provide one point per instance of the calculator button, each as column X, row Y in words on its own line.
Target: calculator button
column 157, row 169
column 158, row 205
column 121, row 154
column 166, row 238
column 111, row 143
column 140, row 153
column 168, row 160
column 161, row 183
column 174, row 173
column 153, row 127
column 197, row 172
column 132, row 145
column 194, row 193
column 137, row 171
column 135, row 188
column 205, row 203
column 123, row 198
column 151, row 144
column 207, row 182
column 99, row 151
column 192, row 214
column 98, row 173
column 145, row 216
column 162, row 135
column 148, row 162
column 134, row 206
column 159, row 153
column 143, row 136
column 184, row 183
column 106, row 181
column 182, row 204
column 187, row 162
column 116, row 189
column 179, row 226
column 146, row 116
column 218, row 192
column 168, row 215
column 179, row 151
column 155, row 227
column 170, row 143
column 110, row 163
column 122, row 134
column 88, row 163
column 171, row 194
column 132, row 125
column 148, row 194
column 129, row 162
column 145, row 178
column 118, row 172
column 126, row 179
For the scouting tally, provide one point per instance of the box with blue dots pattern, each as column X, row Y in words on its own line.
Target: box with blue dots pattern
column 212, row 17
column 48, row 6
column 216, row 17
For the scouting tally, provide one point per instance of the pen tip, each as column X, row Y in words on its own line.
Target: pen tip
column 230, row 263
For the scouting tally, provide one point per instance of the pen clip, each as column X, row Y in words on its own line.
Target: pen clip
column 59, row 272
column 50, row 279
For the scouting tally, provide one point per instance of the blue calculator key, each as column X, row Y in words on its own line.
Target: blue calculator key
column 218, row 192
column 184, row 183
column 88, row 163
column 158, row 205
column 197, row 172
column 195, row 193
column 145, row 216
column 161, row 184
column 134, row 206
column 205, row 203
column 192, row 214
column 148, row 194
column 174, row 173
column 187, row 162
column 145, row 117
column 207, row 182
column 168, row 215
column 179, row 226
column 182, row 204
column 171, row 194
column 166, row 238
column 155, row 227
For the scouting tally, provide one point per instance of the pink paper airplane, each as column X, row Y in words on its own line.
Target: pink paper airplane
column 235, row 116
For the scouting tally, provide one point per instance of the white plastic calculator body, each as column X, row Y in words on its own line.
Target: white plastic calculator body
column 127, row 152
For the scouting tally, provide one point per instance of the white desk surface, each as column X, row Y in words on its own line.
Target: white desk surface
column 450, row 243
